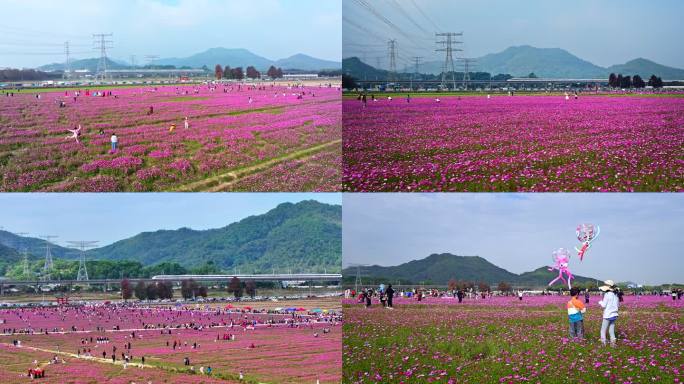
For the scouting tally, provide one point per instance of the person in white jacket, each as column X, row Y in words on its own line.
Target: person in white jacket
column 610, row 304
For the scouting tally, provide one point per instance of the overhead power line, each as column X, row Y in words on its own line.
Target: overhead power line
column 401, row 10
column 437, row 28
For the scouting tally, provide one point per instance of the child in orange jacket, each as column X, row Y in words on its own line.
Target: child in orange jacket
column 576, row 309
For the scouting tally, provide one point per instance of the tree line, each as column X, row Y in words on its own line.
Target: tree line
column 190, row 289
column 109, row 269
column 12, row 74
column 237, row 73
column 620, row 81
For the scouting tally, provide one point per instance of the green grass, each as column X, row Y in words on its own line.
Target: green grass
column 271, row 110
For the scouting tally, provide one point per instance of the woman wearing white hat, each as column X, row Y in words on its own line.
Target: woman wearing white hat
column 610, row 304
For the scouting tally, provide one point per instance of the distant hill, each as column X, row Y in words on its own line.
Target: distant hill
column 542, row 276
column 646, row 68
column 34, row 246
column 307, row 63
column 440, row 268
column 242, row 58
column 8, row 257
column 301, row 237
column 234, row 57
column 543, row 62
column 353, row 66
column 520, row 61
column 89, row 64
column 305, row 236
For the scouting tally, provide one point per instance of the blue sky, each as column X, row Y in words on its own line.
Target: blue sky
column 108, row 217
column 604, row 32
column 641, row 234
column 33, row 31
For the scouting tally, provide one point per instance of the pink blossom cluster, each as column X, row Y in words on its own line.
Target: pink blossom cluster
column 519, row 143
column 225, row 132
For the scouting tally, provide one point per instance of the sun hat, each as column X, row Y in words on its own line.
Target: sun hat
column 609, row 285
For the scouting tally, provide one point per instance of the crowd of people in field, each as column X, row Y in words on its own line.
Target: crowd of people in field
column 610, row 298
column 136, row 321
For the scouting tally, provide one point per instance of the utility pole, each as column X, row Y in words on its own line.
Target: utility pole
column 448, row 43
column 101, row 43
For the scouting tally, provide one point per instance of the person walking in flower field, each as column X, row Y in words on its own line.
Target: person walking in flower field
column 610, row 304
column 390, row 296
column 115, row 141
column 576, row 310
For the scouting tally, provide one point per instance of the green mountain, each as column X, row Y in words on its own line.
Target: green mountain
column 34, row 246
column 239, row 57
column 307, row 63
column 440, row 268
column 543, row 62
column 236, row 57
column 520, row 61
column 89, row 64
column 301, row 237
column 542, row 276
column 646, row 68
column 8, row 257
column 356, row 68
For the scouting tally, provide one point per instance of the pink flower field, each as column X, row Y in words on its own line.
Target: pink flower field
column 519, row 143
column 266, row 346
column 503, row 340
column 239, row 137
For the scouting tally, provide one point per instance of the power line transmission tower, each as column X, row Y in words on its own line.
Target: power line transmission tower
column 24, row 261
column 466, row 70
column 358, row 282
column 358, row 278
column 151, row 58
column 67, row 64
column 132, row 60
column 416, row 60
column 47, row 267
column 392, row 55
column 82, row 245
column 448, row 43
column 101, row 43
column 26, row 269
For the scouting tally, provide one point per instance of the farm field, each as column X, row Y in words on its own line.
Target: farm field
column 520, row 143
column 240, row 138
column 269, row 346
column 502, row 340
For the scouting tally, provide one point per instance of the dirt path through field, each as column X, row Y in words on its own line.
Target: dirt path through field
column 226, row 180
